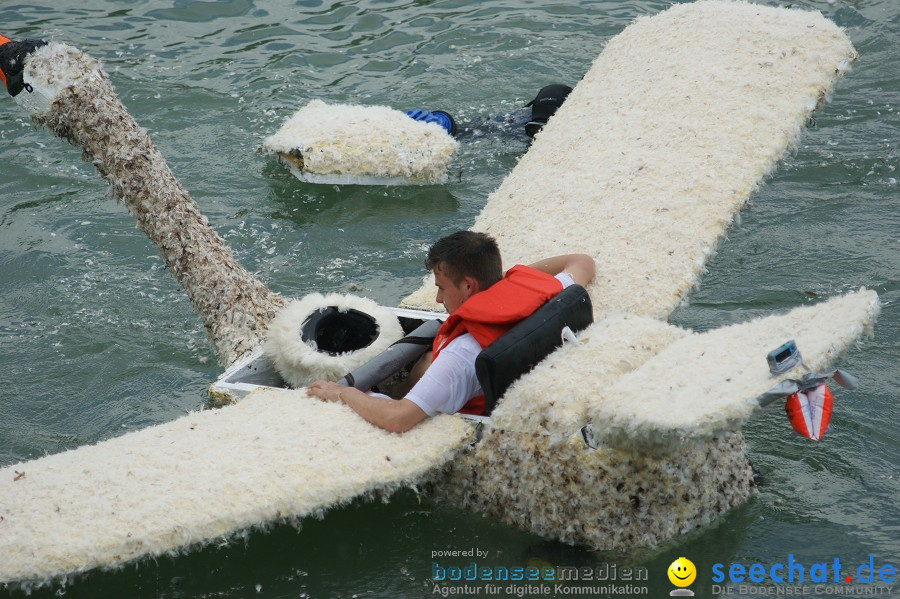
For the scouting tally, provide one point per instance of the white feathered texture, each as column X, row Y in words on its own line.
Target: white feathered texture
column 553, row 398
column 363, row 141
column 660, row 144
column 276, row 455
column 603, row 498
column 707, row 383
column 235, row 306
column 643, row 167
column 299, row 363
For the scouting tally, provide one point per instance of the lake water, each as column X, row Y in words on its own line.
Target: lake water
column 97, row 339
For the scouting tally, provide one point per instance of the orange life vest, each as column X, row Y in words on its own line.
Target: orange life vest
column 490, row 313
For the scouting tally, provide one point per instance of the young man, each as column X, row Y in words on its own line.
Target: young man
column 482, row 304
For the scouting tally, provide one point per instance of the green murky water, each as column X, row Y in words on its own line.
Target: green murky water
column 96, row 339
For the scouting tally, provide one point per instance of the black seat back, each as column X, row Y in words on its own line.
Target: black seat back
column 520, row 349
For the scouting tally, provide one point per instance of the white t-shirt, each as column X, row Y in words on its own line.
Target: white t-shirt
column 451, row 381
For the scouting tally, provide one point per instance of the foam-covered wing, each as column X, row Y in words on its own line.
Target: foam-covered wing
column 709, row 383
column 364, row 145
column 553, row 398
column 661, row 143
column 276, row 454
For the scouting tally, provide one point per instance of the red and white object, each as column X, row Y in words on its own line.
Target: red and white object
column 809, row 411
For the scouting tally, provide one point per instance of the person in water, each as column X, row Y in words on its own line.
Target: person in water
column 482, row 303
column 548, row 100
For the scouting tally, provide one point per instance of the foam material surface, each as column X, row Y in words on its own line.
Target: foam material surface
column 643, row 167
column 352, row 144
column 276, row 454
column 603, row 498
column 660, row 144
column 553, row 398
column 709, row 382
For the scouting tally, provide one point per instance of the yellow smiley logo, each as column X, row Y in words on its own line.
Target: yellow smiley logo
column 682, row 572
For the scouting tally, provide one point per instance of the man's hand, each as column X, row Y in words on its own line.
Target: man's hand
column 326, row 390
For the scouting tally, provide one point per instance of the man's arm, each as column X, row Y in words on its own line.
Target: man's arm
column 393, row 415
column 580, row 266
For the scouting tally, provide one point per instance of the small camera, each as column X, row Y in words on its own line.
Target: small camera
column 784, row 358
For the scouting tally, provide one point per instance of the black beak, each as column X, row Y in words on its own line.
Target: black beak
column 12, row 63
